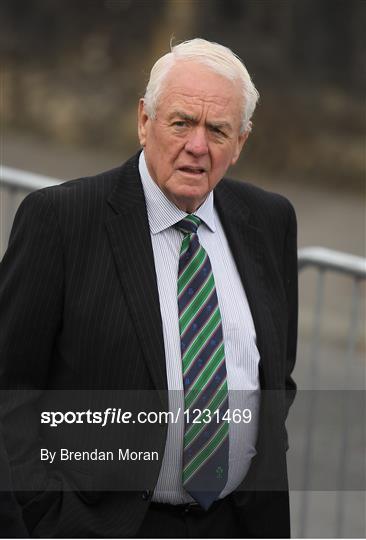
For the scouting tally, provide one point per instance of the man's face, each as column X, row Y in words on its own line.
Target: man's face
column 195, row 135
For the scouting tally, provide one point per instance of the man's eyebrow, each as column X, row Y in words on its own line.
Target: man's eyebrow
column 185, row 116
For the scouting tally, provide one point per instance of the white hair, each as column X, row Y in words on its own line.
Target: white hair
column 213, row 55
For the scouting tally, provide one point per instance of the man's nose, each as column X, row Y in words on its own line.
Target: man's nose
column 197, row 142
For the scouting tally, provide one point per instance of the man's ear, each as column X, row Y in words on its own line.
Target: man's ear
column 142, row 121
column 242, row 139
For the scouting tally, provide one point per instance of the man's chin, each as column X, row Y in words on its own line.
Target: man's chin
column 189, row 200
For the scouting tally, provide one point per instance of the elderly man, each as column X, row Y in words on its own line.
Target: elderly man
column 163, row 275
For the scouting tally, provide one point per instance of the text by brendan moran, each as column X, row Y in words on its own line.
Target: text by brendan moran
column 122, row 454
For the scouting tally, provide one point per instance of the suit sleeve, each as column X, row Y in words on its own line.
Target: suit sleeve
column 291, row 287
column 31, row 299
column 31, row 291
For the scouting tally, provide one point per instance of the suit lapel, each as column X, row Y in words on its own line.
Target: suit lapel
column 131, row 244
column 248, row 248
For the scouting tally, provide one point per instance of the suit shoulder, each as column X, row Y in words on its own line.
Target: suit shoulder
column 257, row 199
column 82, row 201
column 80, row 187
column 89, row 193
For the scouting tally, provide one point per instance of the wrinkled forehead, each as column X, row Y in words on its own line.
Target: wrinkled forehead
column 197, row 98
column 195, row 84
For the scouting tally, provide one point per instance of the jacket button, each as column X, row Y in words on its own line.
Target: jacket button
column 146, row 495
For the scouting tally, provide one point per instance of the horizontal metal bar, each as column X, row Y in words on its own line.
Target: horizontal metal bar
column 18, row 179
column 328, row 259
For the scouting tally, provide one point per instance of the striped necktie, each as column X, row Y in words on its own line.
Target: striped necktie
column 206, row 445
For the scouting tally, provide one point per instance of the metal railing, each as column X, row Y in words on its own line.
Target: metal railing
column 15, row 184
column 24, row 180
column 327, row 261
column 324, row 261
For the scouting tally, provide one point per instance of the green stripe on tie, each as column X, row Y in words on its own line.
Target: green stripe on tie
column 206, row 452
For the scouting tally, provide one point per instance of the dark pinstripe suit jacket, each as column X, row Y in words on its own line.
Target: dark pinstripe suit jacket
column 78, row 293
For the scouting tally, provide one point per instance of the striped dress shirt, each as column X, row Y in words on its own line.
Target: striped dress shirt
column 241, row 353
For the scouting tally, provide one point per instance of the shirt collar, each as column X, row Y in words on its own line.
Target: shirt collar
column 161, row 212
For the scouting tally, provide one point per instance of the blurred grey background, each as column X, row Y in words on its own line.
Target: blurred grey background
column 71, row 75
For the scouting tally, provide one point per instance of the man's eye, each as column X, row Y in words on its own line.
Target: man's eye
column 217, row 131
column 180, row 123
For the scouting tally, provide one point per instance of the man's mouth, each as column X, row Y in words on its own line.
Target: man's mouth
column 192, row 170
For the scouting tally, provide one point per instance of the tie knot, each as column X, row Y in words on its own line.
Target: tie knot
column 189, row 224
